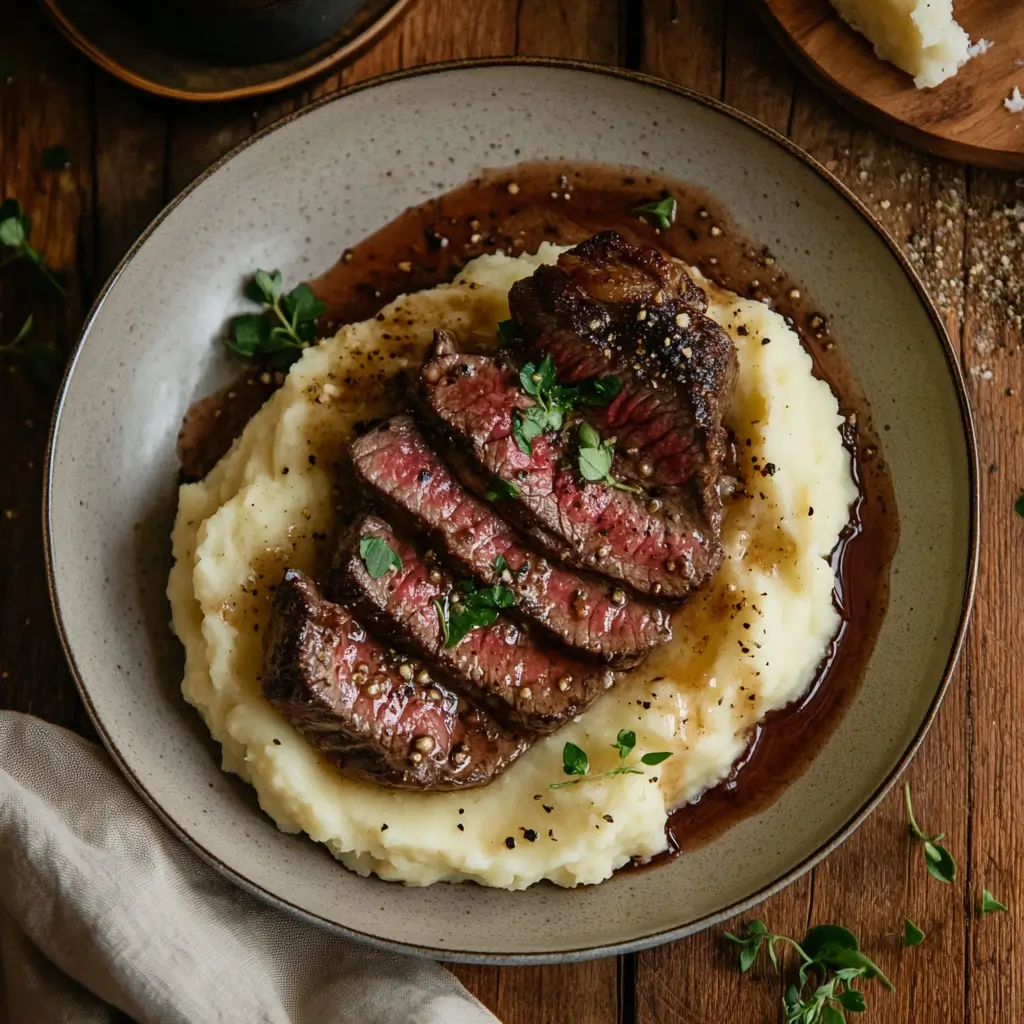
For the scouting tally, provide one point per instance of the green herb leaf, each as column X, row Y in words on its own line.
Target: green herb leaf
column 830, row 1015
column 378, row 556
column 23, row 332
column 8, row 69
column 595, row 463
column 1018, row 506
column 250, row 334
column 501, row 490
column 748, row 955
column 289, row 319
column 939, row 862
column 507, row 333
column 528, row 425
column 264, row 287
column 853, row 1000
column 574, row 760
column 989, row 904
column 302, row 306
column 912, row 935
column 656, row 757
column 937, row 859
column 56, row 158
column 14, row 231
column 595, row 459
column 661, row 212
column 538, row 380
column 598, row 390
column 472, row 606
column 624, row 743
column 825, row 937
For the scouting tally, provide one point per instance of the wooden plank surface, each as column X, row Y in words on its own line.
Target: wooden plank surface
column 130, row 153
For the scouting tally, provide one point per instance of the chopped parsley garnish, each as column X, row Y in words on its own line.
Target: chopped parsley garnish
column 284, row 329
column 500, row 490
column 595, row 460
column 989, row 904
column 14, row 231
column 832, row 955
column 662, row 212
column 937, row 859
column 378, row 556
column 554, row 400
column 471, row 605
column 576, row 763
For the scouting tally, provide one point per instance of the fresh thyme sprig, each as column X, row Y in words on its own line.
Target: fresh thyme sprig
column 575, row 761
column 285, row 328
column 15, row 226
column 937, row 859
column 830, row 956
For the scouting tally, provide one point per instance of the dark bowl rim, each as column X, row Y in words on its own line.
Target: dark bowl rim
column 708, row 920
column 345, row 52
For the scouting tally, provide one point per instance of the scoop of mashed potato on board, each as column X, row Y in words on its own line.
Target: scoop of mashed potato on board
column 749, row 642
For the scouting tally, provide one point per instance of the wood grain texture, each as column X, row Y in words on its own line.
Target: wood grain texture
column 962, row 118
column 130, row 153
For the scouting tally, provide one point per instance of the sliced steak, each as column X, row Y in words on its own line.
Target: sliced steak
column 627, row 536
column 346, row 694
column 609, row 307
column 500, row 666
column 401, row 472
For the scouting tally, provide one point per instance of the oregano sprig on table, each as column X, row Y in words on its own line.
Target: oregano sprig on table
column 937, row 859
column 830, row 961
column 15, row 227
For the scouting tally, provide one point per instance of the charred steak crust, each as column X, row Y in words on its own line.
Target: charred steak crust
column 398, row 470
column 346, row 695
column 528, row 684
column 609, row 307
column 657, row 551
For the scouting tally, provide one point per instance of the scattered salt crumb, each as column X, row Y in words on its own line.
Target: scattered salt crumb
column 885, row 204
column 981, row 46
column 1015, row 102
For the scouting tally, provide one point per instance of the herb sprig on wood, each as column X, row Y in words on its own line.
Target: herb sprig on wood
column 937, row 859
column 576, row 763
column 830, row 962
column 553, row 401
column 285, row 328
column 472, row 604
column 15, row 227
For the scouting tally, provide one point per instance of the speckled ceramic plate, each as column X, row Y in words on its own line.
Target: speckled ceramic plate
column 287, row 199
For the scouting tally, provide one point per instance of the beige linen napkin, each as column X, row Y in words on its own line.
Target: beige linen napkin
column 101, row 907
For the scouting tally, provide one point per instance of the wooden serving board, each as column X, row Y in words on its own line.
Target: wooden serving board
column 963, row 118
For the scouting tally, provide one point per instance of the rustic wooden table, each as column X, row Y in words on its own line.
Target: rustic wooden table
column 129, row 154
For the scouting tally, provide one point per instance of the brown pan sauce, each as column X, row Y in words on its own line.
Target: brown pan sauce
column 515, row 210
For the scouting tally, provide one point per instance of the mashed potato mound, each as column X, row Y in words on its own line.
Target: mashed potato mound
column 749, row 642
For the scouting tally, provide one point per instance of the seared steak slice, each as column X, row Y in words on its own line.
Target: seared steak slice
column 499, row 666
column 400, row 471
column 347, row 695
column 608, row 307
column 627, row 536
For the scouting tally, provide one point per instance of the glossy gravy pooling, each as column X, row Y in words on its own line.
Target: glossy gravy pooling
column 517, row 209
